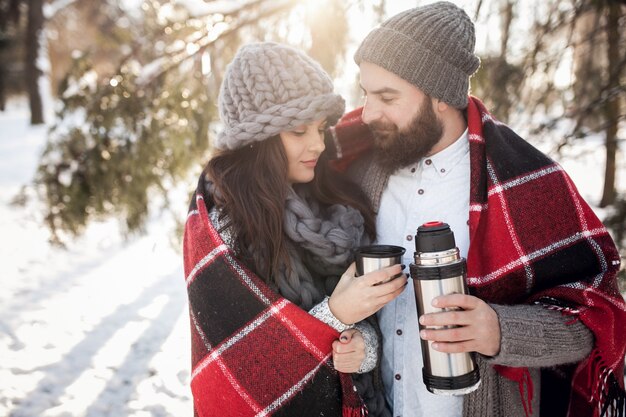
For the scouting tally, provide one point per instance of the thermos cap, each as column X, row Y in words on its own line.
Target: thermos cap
column 434, row 237
column 379, row 251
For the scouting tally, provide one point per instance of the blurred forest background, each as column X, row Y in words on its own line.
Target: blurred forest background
column 133, row 86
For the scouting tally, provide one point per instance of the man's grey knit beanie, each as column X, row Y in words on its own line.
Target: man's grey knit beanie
column 430, row 46
column 270, row 88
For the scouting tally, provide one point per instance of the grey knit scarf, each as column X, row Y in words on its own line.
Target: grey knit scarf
column 320, row 244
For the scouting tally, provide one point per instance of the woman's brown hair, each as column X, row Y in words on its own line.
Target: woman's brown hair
column 251, row 185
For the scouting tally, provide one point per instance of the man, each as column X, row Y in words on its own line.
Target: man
column 536, row 252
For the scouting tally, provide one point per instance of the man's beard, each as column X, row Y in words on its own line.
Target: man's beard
column 400, row 148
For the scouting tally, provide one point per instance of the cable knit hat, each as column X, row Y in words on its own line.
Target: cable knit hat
column 270, row 88
column 431, row 46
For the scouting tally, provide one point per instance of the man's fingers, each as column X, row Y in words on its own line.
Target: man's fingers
column 455, row 347
column 457, row 334
column 466, row 302
column 455, row 340
column 447, row 318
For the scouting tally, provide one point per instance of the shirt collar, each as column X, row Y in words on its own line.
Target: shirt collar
column 445, row 160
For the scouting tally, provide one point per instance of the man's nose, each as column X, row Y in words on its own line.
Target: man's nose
column 370, row 113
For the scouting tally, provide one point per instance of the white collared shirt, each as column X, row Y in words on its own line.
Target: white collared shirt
column 435, row 188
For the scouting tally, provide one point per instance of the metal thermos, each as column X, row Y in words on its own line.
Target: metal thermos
column 440, row 270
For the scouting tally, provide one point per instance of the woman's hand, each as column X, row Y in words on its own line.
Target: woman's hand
column 349, row 351
column 356, row 298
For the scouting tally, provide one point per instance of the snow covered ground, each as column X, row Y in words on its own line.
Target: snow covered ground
column 97, row 329
column 100, row 328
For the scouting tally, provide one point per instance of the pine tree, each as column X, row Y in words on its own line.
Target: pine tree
column 584, row 39
column 122, row 139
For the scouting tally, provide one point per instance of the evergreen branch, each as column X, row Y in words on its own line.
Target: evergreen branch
column 179, row 57
column 53, row 8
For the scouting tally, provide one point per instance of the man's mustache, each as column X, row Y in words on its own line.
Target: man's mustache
column 383, row 128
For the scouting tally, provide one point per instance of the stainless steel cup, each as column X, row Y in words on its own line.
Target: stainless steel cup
column 374, row 257
column 440, row 270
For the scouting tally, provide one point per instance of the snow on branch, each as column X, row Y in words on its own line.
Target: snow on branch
column 51, row 9
column 200, row 8
column 241, row 17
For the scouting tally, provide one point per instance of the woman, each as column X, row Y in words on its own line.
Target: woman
column 268, row 235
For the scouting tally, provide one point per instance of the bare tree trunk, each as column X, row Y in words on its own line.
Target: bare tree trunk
column 3, row 45
column 33, row 72
column 477, row 11
column 502, row 99
column 9, row 16
column 590, row 64
column 505, row 28
column 612, row 106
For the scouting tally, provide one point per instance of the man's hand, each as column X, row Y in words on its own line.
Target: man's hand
column 479, row 329
column 356, row 298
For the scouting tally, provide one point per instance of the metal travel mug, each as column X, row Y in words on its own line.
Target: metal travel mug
column 440, row 270
column 372, row 258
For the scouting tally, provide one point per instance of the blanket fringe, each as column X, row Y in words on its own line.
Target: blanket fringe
column 353, row 412
column 525, row 383
column 353, row 405
column 612, row 398
column 527, row 400
column 606, row 391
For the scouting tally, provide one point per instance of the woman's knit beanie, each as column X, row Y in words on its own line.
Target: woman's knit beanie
column 270, row 88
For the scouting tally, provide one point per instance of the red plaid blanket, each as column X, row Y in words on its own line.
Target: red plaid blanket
column 534, row 239
column 253, row 352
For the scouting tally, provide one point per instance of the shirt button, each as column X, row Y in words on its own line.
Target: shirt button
column 398, row 377
column 420, row 191
column 412, row 170
column 428, row 162
column 468, row 222
column 442, row 170
column 399, row 332
column 409, row 237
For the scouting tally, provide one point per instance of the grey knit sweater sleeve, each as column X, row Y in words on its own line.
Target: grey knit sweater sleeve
column 322, row 312
column 534, row 336
column 371, row 346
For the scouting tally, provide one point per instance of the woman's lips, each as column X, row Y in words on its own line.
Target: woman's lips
column 310, row 163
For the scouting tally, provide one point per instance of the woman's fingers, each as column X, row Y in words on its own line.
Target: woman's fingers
column 355, row 298
column 381, row 276
column 349, row 353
